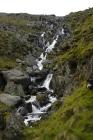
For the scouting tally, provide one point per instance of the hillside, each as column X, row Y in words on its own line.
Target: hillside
column 61, row 77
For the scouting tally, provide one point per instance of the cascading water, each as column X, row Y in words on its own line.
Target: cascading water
column 47, row 82
column 37, row 111
column 42, row 58
column 50, row 47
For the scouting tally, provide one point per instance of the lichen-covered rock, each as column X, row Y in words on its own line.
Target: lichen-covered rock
column 13, row 75
column 14, row 89
column 9, row 100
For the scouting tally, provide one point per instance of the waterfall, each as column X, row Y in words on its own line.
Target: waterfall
column 47, row 82
column 31, row 118
column 31, row 100
column 37, row 111
column 50, row 47
column 42, row 58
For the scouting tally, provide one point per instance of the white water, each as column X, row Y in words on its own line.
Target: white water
column 32, row 119
column 47, row 82
column 48, row 50
column 36, row 111
column 50, row 47
column 52, row 99
column 62, row 31
column 31, row 100
column 41, row 61
column 42, row 35
column 32, row 79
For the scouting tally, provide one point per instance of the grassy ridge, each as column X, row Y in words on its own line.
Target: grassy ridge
column 80, row 46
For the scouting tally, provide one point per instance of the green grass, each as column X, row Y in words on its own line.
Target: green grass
column 73, row 121
column 7, row 63
column 81, row 42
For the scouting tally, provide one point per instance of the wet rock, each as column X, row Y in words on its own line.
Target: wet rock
column 27, row 97
column 41, row 89
column 9, row 99
column 39, row 73
column 42, row 99
column 28, row 107
column 22, row 111
column 35, row 103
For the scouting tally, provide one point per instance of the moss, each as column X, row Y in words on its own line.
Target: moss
column 80, row 45
column 6, row 63
column 5, row 109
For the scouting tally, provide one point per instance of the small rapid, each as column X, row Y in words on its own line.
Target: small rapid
column 38, row 111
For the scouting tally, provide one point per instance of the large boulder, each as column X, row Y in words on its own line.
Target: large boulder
column 14, row 89
column 17, row 82
column 14, row 75
column 9, row 100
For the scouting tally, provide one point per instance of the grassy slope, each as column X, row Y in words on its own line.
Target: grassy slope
column 13, row 41
column 73, row 121
column 82, row 43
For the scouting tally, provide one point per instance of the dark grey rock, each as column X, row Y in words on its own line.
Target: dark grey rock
column 28, row 107
column 42, row 99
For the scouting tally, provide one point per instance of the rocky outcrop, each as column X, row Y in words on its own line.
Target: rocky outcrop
column 13, row 75
column 17, row 82
column 70, row 75
column 9, row 100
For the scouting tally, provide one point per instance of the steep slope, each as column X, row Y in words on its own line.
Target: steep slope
column 72, row 63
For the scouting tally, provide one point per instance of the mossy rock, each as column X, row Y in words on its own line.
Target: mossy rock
column 42, row 99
